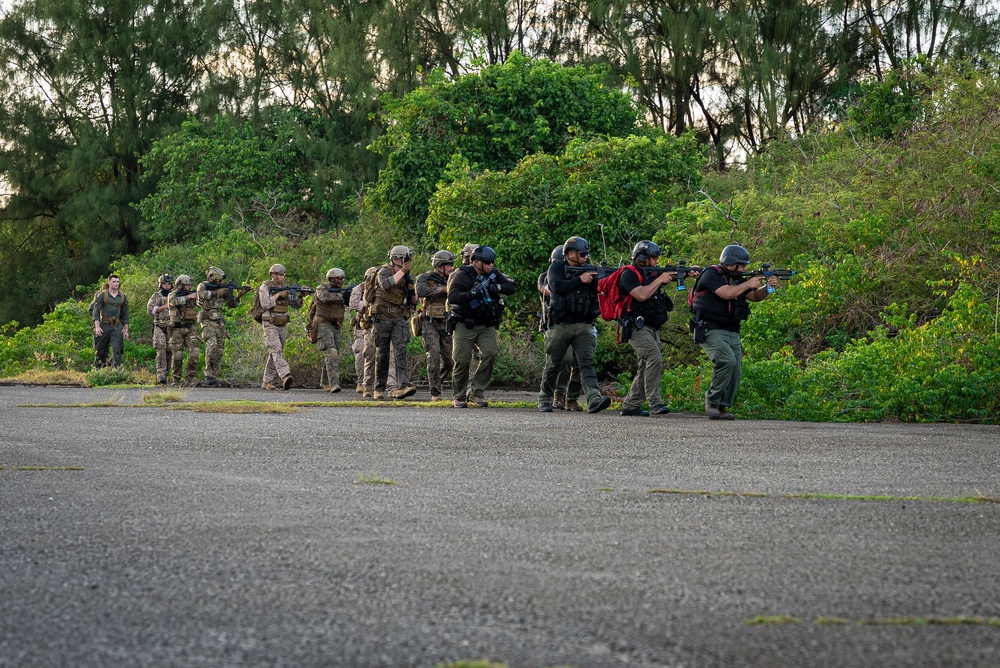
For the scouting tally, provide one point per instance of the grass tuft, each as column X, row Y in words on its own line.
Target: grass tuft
column 239, row 407
column 46, row 377
column 372, row 478
column 979, row 498
column 161, row 397
column 46, row 468
column 767, row 620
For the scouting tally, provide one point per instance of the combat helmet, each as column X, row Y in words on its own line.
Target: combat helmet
column 578, row 244
column 184, row 279
column 215, row 275
column 399, row 252
column 442, row 257
column 557, row 254
column 734, row 254
column 166, row 278
column 335, row 273
column 484, row 254
column 645, row 250
column 277, row 269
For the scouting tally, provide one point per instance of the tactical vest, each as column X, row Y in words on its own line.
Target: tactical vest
column 435, row 307
column 161, row 318
column 333, row 309
column 182, row 315
column 716, row 310
column 211, row 307
column 394, row 302
column 111, row 307
column 281, row 304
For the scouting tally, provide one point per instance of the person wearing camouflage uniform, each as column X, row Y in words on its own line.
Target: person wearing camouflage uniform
column 158, row 308
column 357, row 304
column 327, row 309
column 213, row 322
column 432, row 290
column 182, row 303
column 275, row 324
column 394, row 295
column 110, row 314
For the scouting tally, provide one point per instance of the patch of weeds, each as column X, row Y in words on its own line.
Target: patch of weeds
column 927, row 621
column 372, row 478
column 767, row 620
column 107, row 375
column 238, row 407
column 979, row 498
column 161, row 397
column 49, row 377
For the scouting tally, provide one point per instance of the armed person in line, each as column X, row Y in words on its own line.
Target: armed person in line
column 474, row 293
column 568, row 385
column 109, row 312
column 393, row 302
column 326, row 320
column 158, row 308
column 572, row 310
column 275, row 299
column 432, row 291
column 357, row 304
column 183, row 302
column 718, row 309
column 648, row 310
column 213, row 296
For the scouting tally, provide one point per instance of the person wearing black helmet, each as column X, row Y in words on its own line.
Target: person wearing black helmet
column 572, row 312
column 157, row 307
column 568, row 385
column 475, row 295
column 720, row 306
column 647, row 311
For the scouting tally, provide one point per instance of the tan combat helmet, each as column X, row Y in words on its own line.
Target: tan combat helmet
column 442, row 257
column 467, row 253
column 184, row 279
column 335, row 273
column 277, row 269
column 401, row 252
column 215, row 275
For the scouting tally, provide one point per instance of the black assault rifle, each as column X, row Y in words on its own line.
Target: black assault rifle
column 681, row 269
column 602, row 270
column 766, row 271
column 295, row 290
column 481, row 291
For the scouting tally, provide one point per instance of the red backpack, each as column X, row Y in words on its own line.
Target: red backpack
column 609, row 294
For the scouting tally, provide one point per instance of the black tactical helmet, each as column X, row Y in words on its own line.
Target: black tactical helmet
column 576, row 244
column 484, row 254
column 557, row 254
column 644, row 250
column 166, row 278
column 734, row 254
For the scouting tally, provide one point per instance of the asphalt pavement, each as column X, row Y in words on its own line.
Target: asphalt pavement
column 416, row 536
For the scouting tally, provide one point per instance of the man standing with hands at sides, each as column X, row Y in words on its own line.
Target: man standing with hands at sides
column 275, row 320
column 572, row 311
column 158, row 308
column 110, row 314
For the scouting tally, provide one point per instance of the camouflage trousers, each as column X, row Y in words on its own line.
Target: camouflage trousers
column 184, row 338
column 394, row 332
column 274, row 339
column 213, row 333
column 358, row 348
column 437, row 345
column 328, row 340
column 163, row 354
column 368, row 356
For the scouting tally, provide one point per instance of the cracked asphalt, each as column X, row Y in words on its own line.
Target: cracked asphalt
column 154, row 537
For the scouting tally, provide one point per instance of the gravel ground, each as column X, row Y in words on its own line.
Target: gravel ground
column 200, row 539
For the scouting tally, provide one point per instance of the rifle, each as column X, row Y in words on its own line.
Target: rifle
column 766, row 271
column 681, row 269
column 295, row 290
column 481, row 292
column 602, row 270
column 231, row 286
column 184, row 293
